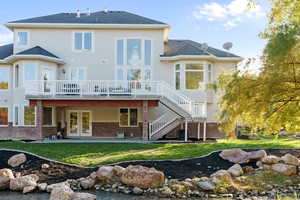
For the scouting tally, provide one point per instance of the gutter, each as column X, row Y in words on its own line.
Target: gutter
column 210, row 57
column 13, row 58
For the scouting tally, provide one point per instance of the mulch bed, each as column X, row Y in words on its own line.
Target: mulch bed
column 178, row 169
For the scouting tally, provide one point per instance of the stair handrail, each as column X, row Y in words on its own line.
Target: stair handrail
column 161, row 122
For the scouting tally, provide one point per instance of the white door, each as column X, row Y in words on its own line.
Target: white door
column 79, row 123
column 47, row 76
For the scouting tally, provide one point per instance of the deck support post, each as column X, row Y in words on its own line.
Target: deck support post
column 145, row 120
column 198, row 131
column 204, row 131
column 39, row 118
column 186, row 131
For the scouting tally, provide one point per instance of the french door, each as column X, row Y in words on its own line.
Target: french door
column 79, row 123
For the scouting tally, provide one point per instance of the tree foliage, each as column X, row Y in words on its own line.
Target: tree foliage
column 270, row 100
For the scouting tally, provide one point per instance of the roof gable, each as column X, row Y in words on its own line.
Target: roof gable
column 102, row 17
column 37, row 51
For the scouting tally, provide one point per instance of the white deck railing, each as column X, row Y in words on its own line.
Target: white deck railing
column 114, row 88
column 161, row 122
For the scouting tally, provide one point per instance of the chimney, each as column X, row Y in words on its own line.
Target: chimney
column 88, row 12
column 78, row 13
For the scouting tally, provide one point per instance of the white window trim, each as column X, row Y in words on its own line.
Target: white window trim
column 14, row 76
column 35, row 119
column 79, row 133
column 53, row 117
column 128, row 126
column 9, row 79
column 16, row 38
column 180, row 75
column 7, row 116
column 204, row 70
column 83, row 50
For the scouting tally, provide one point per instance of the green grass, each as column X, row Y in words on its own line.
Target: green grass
column 93, row 154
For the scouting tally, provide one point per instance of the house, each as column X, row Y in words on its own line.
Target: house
column 108, row 74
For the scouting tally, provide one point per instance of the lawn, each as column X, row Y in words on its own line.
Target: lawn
column 93, row 154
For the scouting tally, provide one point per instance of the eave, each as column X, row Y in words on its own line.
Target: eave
column 199, row 57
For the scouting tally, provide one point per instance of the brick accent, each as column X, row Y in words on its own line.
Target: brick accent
column 49, row 130
column 39, row 117
column 145, row 120
column 211, row 130
column 19, row 133
column 110, row 130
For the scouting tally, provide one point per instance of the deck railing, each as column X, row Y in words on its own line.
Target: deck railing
column 114, row 88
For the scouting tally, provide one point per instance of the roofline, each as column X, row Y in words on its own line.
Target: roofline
column 79, row 25
column 13, row 58
column 182, row 57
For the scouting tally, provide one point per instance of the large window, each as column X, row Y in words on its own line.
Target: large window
column 78, row 73
column 83, row 41
column 209, row 73
column 194, row 76
column 48, row 116
column 22, row 38
column 29, row 116
column 128, row 117
column 16, row 76
column 4, row 78
column 16, row 115
column 30, row 71
column 3, row 116
column 137, row 52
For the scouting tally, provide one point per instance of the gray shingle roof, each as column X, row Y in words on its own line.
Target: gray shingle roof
column 102, row 17
column 189, row 47
column 6, row 50
column 37, row 51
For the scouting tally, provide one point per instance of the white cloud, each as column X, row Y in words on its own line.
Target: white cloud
column 230, row 14
column 5, row 38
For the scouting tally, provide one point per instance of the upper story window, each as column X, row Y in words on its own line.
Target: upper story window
column 22, row 38
column 134, row 52
column 30, row 71
column 78, row 73
column 16, row 76
column 83, row 41
column 4, row 78
column 177, row 76
column 209, row 73
column 194, row 76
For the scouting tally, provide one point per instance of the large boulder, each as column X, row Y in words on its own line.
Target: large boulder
column 110, row 174
column 17, row 160
column 5, row 176
column 257, row 155
column 270, row 160
column 18, row 184
column 285, row 169
column 83, row 196
column 290, row 160
column 87, row 183
column 143, row 177
column 64, row 193
column 236, row 170
column 206, row 185
column 235, row 155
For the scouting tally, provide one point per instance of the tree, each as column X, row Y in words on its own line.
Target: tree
column 270, row 100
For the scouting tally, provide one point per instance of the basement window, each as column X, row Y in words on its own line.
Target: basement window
column 128, row 117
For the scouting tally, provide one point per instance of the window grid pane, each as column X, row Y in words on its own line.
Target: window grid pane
column 177, row 80
column 22, row 38
column 133, row 52
column 47, row 116
column 29, row 116
column 87, row 41
column 194, row 67
column 120, row 52
column 124, row 117
column 30, row 71
column 3, row 116
column 148, row 52
column 78, row 41
column 133, row 117
column 193, row 80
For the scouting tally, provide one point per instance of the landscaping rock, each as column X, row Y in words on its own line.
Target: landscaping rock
column 87, row 183
column 45, row 166
column 61, row 194
column 236, row 170
column 17, row 160
column 270, row 160
column 18, row 184
column 235, row 155
column 28, row 189
column 61, row 185
column 207, row 186
column 5, row 176
column 83, row 196
column 222, row 175
column 257, row 155
column 42, row 187
column 290, row 160
column 285, row 169
column 137, row 190
column 110, row 174
column 143, row 177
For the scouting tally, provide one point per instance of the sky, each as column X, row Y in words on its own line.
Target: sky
column 206, row 21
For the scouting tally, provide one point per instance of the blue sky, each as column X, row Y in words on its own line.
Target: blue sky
column 212, row 21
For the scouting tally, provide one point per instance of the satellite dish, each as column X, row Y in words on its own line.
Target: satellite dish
column 204, row 47
column 227, row 46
